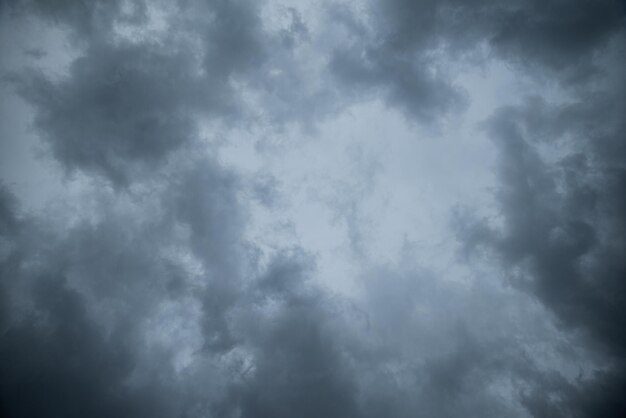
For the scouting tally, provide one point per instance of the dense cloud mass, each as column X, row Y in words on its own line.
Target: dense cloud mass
column 237, row 208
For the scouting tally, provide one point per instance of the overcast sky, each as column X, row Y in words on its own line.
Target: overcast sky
column 312, row 208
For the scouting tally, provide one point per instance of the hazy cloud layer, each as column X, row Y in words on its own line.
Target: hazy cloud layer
column 240, row 225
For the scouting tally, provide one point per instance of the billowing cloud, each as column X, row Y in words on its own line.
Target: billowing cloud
column 253, row 209
column 561, row 201
column 402, row 48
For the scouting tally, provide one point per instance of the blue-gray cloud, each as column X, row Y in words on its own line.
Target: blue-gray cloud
column 145, row 296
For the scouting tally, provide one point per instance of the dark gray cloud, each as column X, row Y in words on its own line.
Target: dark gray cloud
column 80, row 304
column 564, row 222
column 127, row 104
column 122, row 109
column 403, row 78
column 398, row 52
column 552, row 33
column 300, row 364
column 562, row 237
column 144, row 294
column 7, row 212
column 78, row 300
column 75, row 357
column 68, row 366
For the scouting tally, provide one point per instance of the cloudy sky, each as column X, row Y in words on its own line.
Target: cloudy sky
column 312, row 208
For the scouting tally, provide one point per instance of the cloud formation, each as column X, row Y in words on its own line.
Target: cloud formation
column 143, row 288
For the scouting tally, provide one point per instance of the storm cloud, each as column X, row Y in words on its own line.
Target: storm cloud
column 320, row 209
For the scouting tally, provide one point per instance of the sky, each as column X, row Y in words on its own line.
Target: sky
column 312, row 208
